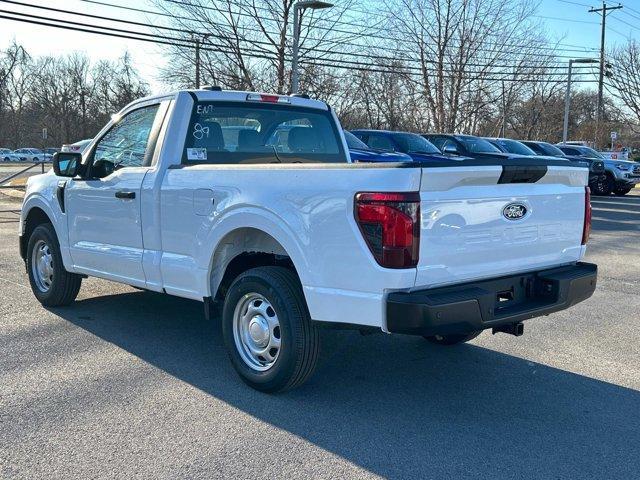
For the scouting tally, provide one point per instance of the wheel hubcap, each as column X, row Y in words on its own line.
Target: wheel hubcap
column 42, row 266
column 256, row 332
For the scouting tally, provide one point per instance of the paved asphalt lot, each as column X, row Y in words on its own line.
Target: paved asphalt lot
column 128, row 384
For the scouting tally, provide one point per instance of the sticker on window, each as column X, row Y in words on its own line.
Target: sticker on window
column 197, row 154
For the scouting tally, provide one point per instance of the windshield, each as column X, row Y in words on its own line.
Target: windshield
column 478, row 145
column 354, row 142
column 590, row 153
column 551, row 150
column 414, row 143
column 512, row 146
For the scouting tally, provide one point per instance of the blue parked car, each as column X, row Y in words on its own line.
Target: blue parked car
column 412, row 144
column 360, row 152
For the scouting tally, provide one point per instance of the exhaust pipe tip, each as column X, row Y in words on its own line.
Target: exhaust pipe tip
column 515, row 329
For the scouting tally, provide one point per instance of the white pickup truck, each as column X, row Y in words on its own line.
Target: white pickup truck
column 250, row 201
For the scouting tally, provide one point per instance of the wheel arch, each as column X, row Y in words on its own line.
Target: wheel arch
column 241, row 249
column 35, row 216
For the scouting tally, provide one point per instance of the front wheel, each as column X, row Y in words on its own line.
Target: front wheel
column 52, row 285
column 603, row 186
column 453, row 339
column 267, row 330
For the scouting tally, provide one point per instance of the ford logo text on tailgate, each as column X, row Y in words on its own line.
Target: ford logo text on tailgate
column 514, row 211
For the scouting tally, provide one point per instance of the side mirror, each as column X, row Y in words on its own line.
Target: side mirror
column 66, row 164
column 450, row 149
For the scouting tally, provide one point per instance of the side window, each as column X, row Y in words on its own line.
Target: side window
column 126, row 144
column 437, row 141
column 380, row 142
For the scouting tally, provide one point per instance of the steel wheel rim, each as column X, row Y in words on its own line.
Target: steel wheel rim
column 42, row 265
column 256, row 332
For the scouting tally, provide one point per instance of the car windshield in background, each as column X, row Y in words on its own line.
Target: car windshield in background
column 355, row 142
column 413, row 143
column 478, row 145
column 513, row 146
column 551, row 150
column 590, row 152
column 229, row 133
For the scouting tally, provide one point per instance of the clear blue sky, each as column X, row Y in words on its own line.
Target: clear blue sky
column 568, row 20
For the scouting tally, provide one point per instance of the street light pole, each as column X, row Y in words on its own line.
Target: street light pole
column 298, row 8
column 567, row 97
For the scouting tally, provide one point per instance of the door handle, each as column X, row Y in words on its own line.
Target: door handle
column 125, row 194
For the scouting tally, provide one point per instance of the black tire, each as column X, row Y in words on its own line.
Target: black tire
column 622, row 191
column 64, row 286
column 604, row 187
column 299, row 338
column 453, row 339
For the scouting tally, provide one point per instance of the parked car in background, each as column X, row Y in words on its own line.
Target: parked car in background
column 466, row 146
column 7, row 155
column 412, row 144
column 597, row 177
column 621, row 175
column 30, row 155
column 78, row 147
column 49, row 151
column 360, row 152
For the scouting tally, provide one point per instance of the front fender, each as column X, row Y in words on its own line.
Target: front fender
column 41, row 193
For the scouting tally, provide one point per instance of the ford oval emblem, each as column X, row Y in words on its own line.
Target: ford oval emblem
column 514, row 211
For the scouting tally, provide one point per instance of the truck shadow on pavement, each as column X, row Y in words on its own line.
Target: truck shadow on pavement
column 616, row 214
column 398, row 406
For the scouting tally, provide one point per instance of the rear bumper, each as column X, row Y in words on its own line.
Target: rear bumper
column 489, row 303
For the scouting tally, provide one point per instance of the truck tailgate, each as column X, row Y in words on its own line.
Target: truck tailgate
column 479, row 222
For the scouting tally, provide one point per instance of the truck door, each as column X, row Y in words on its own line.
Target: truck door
column 103, row 209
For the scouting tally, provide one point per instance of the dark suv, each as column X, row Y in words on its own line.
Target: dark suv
column 412, row 144
column 597, row 177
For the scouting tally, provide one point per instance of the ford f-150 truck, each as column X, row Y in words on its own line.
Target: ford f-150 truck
column 249, row 201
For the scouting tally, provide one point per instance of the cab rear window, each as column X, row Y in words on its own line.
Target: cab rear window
column 245, row 133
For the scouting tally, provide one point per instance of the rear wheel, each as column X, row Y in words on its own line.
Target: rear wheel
column 622, row 191
column 267, row 330
column 603, row 186
column 453, row 339
column 51, row 284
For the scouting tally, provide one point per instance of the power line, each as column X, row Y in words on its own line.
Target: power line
column 318, row 27
column 386, row 48
column 167, row 41
column 204, row 34
column 575, row 3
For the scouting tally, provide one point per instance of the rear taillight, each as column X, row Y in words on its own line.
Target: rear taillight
column 586, row 229
column 390, row 224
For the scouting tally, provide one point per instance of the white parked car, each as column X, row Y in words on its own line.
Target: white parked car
column 277, row 226
column 7, row 155
column 30, row 155
column 78, row 147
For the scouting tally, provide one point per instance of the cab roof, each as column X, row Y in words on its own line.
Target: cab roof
column 216, row 94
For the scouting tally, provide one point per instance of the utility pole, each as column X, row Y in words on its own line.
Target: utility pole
column 600, row 105
column 197, row 40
